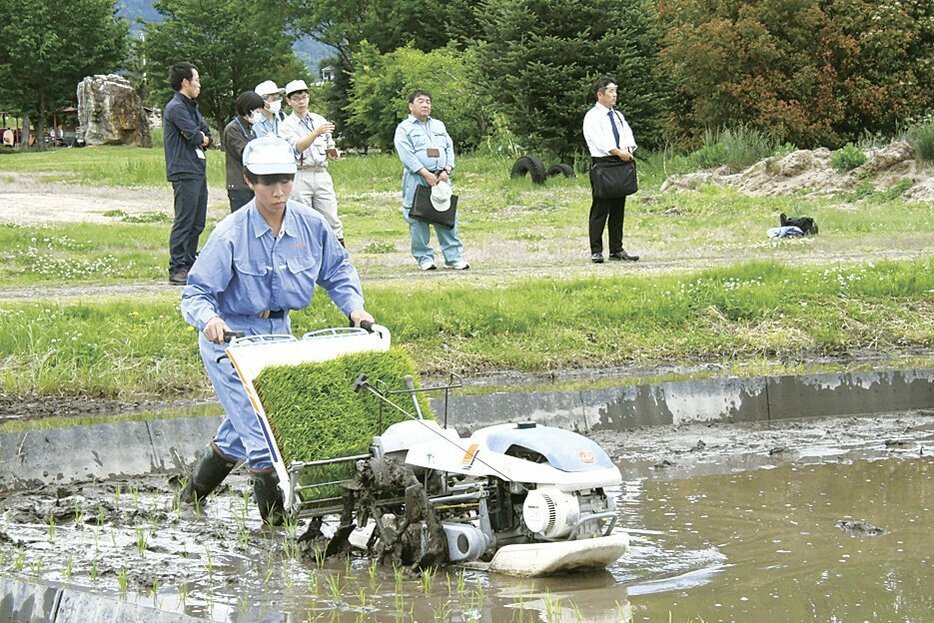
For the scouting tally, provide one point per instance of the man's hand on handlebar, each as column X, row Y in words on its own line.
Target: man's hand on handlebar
column 361, row 318
column 215, row 329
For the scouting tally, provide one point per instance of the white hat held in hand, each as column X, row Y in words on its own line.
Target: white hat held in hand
column 295, row 85
column 441, row 196
column 267, row 87
column 269, row 155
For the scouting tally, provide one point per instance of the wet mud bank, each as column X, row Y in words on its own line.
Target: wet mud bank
column 168, row 446
column 91, row 528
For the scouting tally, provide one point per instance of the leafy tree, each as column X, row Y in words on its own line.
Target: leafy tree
column 807, row 71
column 47, row 50
column 235, row 43
column 386, row 24
column 382, row 82
column 539, row 59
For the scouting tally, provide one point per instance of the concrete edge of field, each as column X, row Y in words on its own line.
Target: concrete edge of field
column 123, row 449
column 132, row 448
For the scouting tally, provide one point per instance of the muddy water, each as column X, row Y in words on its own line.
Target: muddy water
column 731, row 543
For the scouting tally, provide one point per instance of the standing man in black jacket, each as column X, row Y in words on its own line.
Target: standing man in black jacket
column 186, row 136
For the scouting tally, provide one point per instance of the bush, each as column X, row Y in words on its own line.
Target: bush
column 847, row 158
column 736, row 148
column 921, row 138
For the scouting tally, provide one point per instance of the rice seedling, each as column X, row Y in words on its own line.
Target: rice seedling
column 208, row 565
column 79, row 514
column 123, row 581
column 552, row 606
column 67, row 570
column 425, row 579
column 94, row 574
column 141, row 543
column 51, row 529
column 334, row 585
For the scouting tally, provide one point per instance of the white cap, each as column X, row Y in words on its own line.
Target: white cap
column 295, row 85
column 269, row 155
column 441, row 196
column 267, row 87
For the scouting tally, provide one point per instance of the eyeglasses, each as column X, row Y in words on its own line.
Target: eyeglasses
column 299, row 96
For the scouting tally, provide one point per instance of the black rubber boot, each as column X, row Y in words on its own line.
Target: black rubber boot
column 268, row 497
column 208, row 472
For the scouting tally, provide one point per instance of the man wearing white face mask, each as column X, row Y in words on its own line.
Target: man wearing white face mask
column 236, row 135
column 272, row 114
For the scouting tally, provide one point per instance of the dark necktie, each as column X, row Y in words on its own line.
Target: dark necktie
column 613, row 125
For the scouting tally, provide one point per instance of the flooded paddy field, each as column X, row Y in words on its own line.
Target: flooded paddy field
column 825, row 519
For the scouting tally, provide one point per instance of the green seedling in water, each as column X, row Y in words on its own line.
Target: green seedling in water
column 19, row 561
column 100, row 515
column 372, row 571
column 123, row 580
column 155, row 593
column 313, row 584
column 461, row 582
column 117, row 497
column 361, row 596
column 183, row 594
column 425, row 579
column 51, row 529
column 552, row 610
column 135, row 492
column 334, row 583
column 442, row 611
column 94, row 573
column 208, row 566
column 37, row 568
column 67, row 572
column 141, row 544
column 79, row 514
column 268, row 576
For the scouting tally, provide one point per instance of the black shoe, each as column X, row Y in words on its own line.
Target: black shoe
column 208, row 472
column 596, row 258
column 620, row 256
column 179, row 277
column 268, row 497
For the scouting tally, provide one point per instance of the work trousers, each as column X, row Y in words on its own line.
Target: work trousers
column 240, row 436
column 601, row 211
column 315, row 189
column 420, row 233
column 191, row 209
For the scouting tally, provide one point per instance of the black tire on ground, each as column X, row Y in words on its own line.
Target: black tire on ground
column 532, row 165
column 561, row 169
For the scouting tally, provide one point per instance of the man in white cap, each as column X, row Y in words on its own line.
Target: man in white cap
column 310, row 136
column 427, row 154
column 259, row 263
column 272, row 110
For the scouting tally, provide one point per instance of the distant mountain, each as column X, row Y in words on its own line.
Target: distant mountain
column 309, row 51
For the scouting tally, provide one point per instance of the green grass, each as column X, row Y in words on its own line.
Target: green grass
column 532, row 301
column 771, row 310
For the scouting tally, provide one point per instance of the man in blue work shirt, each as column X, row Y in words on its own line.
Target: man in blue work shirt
column 259, row 263
column 186, row 136
column 427, row 153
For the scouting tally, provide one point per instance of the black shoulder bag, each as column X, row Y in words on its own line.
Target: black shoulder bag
column 613, row 179
column 424, row 210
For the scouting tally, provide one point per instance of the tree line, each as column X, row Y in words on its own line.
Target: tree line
column 510, row 74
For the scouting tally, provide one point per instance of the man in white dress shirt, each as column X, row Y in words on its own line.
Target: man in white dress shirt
column 609, row 138
column 309, row 134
